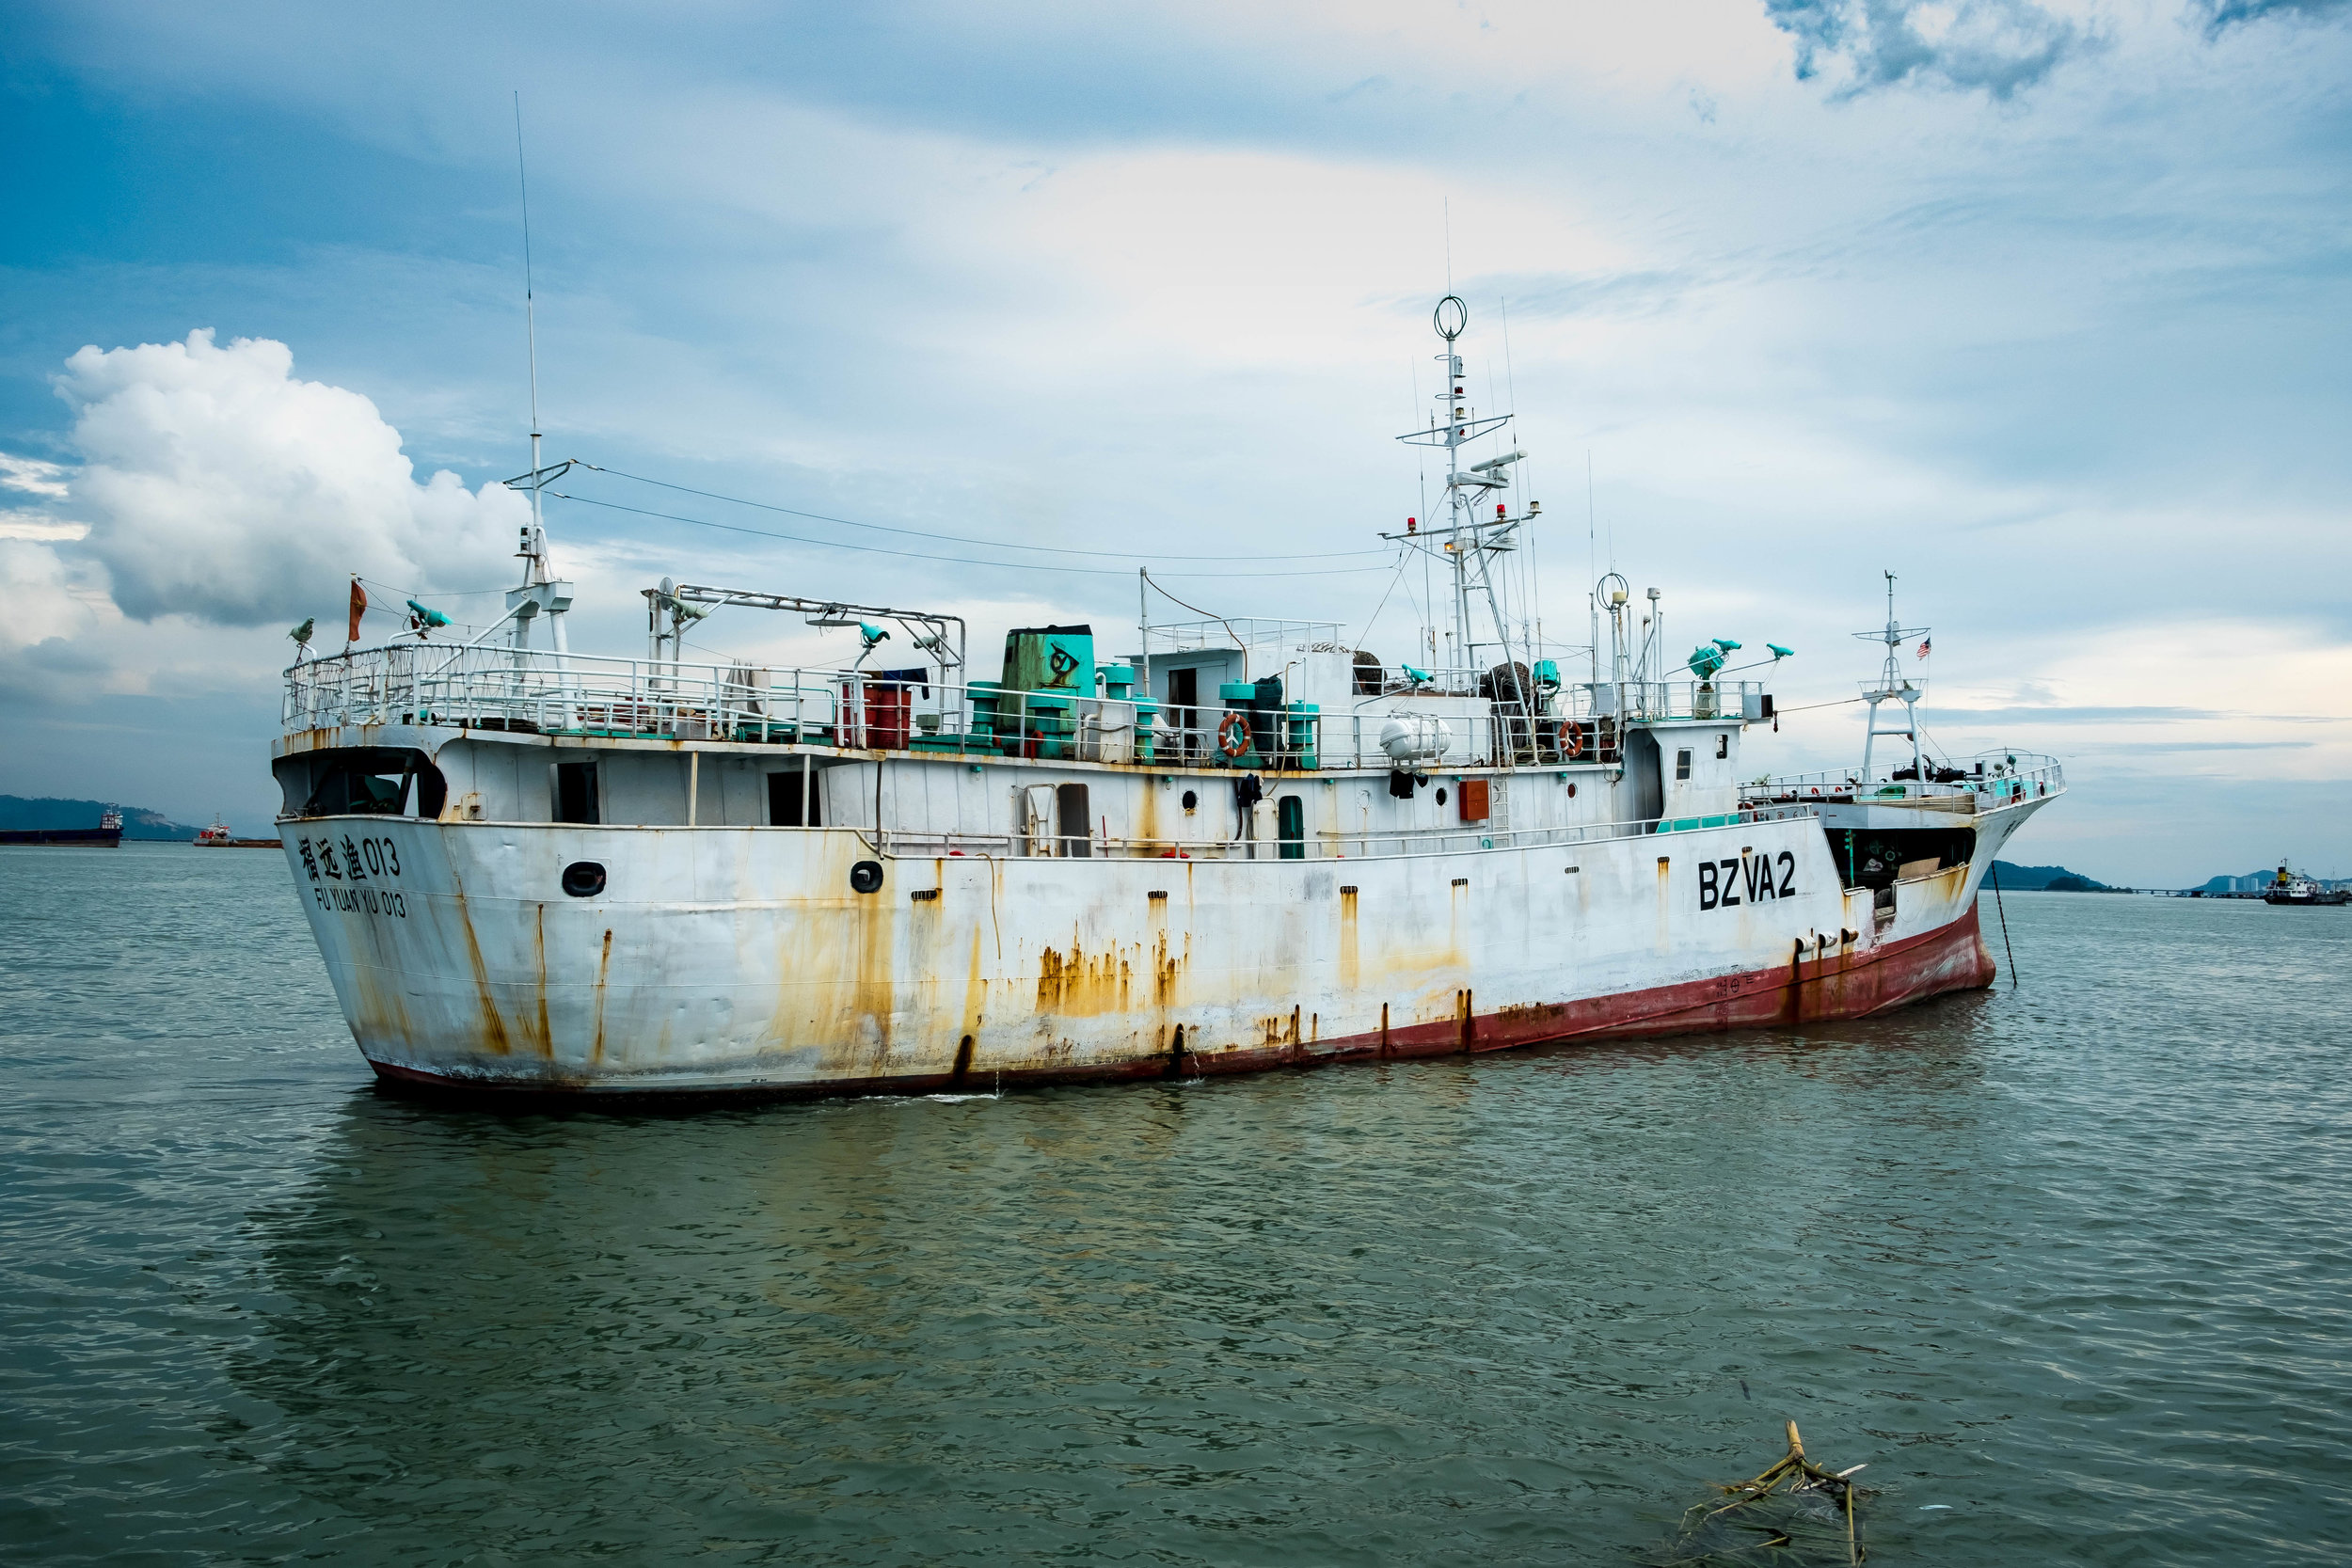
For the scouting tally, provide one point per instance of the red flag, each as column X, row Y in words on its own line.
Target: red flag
column 358, row 608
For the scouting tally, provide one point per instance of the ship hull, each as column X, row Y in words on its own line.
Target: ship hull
column 63, row 838
column 731, row 961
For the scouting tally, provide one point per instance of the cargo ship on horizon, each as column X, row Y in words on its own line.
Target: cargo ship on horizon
column 1246, row 843
column 106, row 835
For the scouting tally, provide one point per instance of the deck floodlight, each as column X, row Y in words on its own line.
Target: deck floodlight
column 425, row 617
column 1779, row 651
column 1418, row 677
column 1726, row 645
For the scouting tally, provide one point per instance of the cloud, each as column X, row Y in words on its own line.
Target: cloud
column 39, row 525
column 2046, row 713
column 2222, row 14
column 40, row 597
column 32, row 476
column 217, row 486
column 1998, row 45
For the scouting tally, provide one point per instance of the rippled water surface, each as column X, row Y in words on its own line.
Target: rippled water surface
column 2066, row 1265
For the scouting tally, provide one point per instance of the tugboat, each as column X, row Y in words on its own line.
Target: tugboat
column 2292, row 891
column 1245, row 844
column 106, row 835
column 217, row 836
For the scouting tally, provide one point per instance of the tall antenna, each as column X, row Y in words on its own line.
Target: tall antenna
column 535, row 550
column 531, row 326
column 1519, row 479
column 540, row 593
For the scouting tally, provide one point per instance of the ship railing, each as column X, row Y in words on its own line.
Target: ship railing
column 1991, row 780
column 1653, row 701
column 919, row 842
column 541, row 691
column 1635, row 702
column 1241, row 631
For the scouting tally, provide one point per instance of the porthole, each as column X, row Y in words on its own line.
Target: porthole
column 1191, row 800
column 583, row 879
column 1571, row 791
column 1442, row 795
column 865, row 876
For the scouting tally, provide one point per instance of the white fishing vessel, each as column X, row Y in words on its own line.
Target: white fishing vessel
column 1245, row 844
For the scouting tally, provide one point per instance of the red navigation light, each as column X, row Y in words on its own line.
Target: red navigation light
column 1498, row 508
column 1408, row 525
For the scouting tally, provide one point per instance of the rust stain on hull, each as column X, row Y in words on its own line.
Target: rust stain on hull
column 1864, row 982
column 604, row 969
column 1350, row 966
column 1080, row 987
column 493, row 1026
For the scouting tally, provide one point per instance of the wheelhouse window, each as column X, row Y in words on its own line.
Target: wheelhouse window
column 1682, row 763
column 362, row 780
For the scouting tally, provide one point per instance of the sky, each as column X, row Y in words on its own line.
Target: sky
column 2042, row 305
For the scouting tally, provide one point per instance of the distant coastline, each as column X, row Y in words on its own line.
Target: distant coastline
column 2047, row 879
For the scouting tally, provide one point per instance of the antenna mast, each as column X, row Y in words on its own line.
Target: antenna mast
column 1468, row 541
column 1893, row 686
column 534, row 549
column 540, row 593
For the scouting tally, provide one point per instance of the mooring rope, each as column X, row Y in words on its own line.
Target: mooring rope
column 1993, row 873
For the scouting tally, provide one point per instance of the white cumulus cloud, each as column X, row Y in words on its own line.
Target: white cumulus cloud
column 32, row 476
column 217, row 486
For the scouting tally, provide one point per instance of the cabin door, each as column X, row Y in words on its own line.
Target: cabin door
column 1070, row 810
column 1038, row 806
column 1648, row 799
column 1183, row 702
column 1291, row 828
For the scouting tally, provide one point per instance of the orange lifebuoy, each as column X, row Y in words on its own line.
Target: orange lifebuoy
column 1232, row 734
column 1572, row 739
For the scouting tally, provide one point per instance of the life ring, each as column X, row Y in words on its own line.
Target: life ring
column 1232, row 734
column 1572, row 739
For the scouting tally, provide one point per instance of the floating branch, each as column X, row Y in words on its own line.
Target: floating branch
column 1793, row 1505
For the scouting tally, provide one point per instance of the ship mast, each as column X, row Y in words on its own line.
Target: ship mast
column 1893, row 686
column 1467, row 541
column 540, row 593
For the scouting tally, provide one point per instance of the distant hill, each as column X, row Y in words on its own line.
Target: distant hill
column 16, row 810
column 2046, row 878
column 2253, row 881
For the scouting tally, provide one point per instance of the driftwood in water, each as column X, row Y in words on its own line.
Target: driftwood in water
column 1815, row 1502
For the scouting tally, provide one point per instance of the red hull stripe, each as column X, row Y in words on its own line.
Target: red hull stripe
column 1838, row 985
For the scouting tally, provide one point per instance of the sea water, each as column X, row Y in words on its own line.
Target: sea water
column 2065, row 1264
